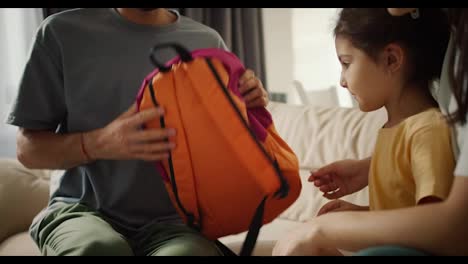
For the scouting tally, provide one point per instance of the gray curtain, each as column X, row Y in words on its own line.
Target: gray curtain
column 241, row 29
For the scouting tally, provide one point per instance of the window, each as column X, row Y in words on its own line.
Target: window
column 17, row 29
column 300, row 49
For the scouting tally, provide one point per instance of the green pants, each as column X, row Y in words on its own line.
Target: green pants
column 75, row 229
column 390, row 251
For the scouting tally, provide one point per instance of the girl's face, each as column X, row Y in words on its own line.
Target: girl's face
column 365, row 79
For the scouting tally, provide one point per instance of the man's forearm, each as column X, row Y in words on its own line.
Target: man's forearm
column 48, row 150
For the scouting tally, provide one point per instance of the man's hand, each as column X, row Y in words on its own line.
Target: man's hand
column 123, row 138
column 251, row 89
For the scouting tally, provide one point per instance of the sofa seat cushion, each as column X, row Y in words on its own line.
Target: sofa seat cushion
column 267, row 237
column 20, row 244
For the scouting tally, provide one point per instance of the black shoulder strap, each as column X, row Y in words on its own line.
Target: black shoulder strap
column 254, row 229
column 252, row 234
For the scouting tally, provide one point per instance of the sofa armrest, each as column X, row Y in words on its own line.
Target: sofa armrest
column 23, row 193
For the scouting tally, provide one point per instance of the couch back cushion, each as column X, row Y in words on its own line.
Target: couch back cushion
column 319, row 136
column 23, row 193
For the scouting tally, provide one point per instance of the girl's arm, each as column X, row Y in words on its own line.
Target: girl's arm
column 437, row 228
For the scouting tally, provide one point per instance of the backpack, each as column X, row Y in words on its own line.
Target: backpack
column 230, row 171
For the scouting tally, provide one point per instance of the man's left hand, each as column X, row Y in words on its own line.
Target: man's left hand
column 252, row 90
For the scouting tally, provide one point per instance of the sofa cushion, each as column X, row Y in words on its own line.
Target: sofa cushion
column 318, row 139
column 23, row 193
column 20, row 244
column 321, row 135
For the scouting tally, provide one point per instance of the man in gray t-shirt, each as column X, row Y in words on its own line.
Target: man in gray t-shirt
column 74, row 108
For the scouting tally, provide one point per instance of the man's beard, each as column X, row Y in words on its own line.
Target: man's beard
column 148, row 9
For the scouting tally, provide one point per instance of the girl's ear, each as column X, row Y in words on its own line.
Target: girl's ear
column 394, row 57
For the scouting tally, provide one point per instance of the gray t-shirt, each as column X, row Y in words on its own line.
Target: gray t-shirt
column 84, row 70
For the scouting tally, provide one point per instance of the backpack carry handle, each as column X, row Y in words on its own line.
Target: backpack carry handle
column 184, row 54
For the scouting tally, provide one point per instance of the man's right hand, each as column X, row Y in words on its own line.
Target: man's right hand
column 341, row 178
column 123, row 138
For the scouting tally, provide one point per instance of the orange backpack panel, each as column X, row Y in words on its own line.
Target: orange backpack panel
column 229, row 164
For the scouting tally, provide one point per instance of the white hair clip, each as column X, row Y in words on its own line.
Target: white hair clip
column 415, row 14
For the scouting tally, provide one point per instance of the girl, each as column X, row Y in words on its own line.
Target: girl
column 388, row 62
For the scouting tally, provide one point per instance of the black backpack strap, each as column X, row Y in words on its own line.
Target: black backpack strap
column 254, row 229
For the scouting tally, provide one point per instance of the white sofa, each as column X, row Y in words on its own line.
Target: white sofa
column 317, row 135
